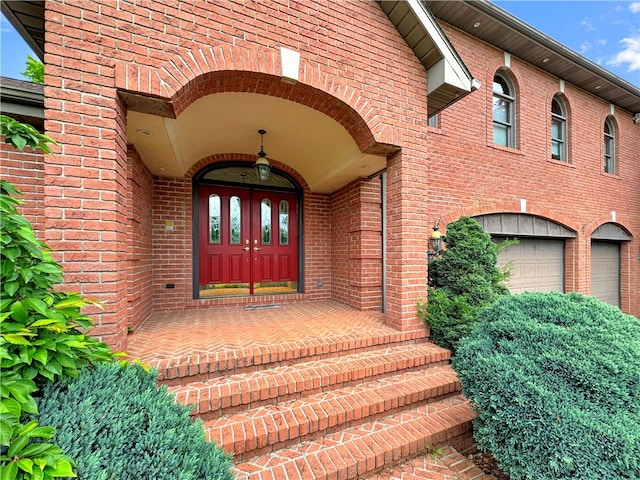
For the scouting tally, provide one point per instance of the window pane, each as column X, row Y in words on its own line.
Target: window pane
column 500, row 86
column 235, row 220
column 556, row 129
column 500, row 135
column 608, row 144
column 214, row 219
column 555, row 150
column 609, row 166
column 265, row 215
column 284, row 222
column 500, row 109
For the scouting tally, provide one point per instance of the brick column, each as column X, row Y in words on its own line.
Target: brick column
column 86, row 181
column 407, row 237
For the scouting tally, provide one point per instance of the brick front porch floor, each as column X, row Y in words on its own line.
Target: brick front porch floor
column 174, row 334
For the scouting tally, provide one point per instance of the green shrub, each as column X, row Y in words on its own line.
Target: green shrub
column 464, row 279
column 555, row 380
column 42, row 338
column 117, row 424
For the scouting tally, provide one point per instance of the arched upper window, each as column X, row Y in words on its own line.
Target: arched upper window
column 609, row 147
column 558, row 130
column 503, row 111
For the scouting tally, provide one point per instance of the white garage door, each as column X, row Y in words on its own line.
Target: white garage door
column 538, row 265
column 605, row 272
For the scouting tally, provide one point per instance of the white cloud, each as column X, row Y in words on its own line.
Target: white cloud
column 602, row 41
column 634, row 7
column 586, row 23
column 585, row 46
column 630, row 56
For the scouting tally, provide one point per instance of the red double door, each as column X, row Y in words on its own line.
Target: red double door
column 248, row 241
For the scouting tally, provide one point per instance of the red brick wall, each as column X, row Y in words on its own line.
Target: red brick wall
column 356, row 251
column 318, row 232
column 139, row 242
column 469, row 175
column 25, row 170
column 86, row 187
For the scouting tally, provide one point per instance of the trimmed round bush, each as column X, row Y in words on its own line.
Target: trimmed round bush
column 555, row 380
column 117, row 424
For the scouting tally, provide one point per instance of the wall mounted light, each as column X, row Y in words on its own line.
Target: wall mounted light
column 262, row 166
column 435, row 242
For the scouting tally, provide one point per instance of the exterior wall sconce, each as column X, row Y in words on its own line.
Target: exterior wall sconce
column 263, row 169
column 435, row 242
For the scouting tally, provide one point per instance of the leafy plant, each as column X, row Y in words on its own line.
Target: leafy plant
column 41, row 332
column 34, row 70
column 555, row 380
column 463, row 280
column 118, row 424
column 21, row 135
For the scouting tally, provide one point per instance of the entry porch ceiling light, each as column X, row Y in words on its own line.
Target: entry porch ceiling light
column 262, row 166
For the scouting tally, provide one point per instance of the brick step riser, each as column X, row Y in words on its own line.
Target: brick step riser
column 197, row 369
column 283, row 435
column 451, row 464
column 274, row 395
column 365, row 450
column 223, row 397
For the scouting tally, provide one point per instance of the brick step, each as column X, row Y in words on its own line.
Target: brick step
column 205, row 365
column 226, row 395
column 448, row 465
column 266, row 429
column 366, row 449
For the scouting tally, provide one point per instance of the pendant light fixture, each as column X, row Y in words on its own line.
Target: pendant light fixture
column 263, row 169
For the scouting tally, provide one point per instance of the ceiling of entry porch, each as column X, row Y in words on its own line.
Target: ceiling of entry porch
column 308, row 141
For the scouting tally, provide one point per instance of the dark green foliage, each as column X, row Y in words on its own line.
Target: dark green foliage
column 117, row 424
column 464, row 280
column 556, row 382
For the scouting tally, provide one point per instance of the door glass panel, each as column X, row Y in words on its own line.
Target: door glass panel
column 214, row 219
column 235, row 220
column 265, row 221
column 284, row 222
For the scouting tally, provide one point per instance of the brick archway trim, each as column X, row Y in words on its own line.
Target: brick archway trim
column 168, row 89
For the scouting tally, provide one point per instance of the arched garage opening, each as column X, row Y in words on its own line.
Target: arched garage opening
column 539, row 257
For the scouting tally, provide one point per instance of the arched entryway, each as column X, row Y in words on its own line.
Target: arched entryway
column 246, row 232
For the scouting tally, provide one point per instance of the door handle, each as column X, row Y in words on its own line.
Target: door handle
column 247, row 249
column 255, row 249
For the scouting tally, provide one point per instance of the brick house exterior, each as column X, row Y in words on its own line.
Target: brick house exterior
column 135, row 84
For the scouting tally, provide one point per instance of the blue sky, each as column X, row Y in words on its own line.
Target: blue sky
column 605, row 32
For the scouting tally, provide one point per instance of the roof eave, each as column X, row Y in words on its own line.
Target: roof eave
column 448, row 78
